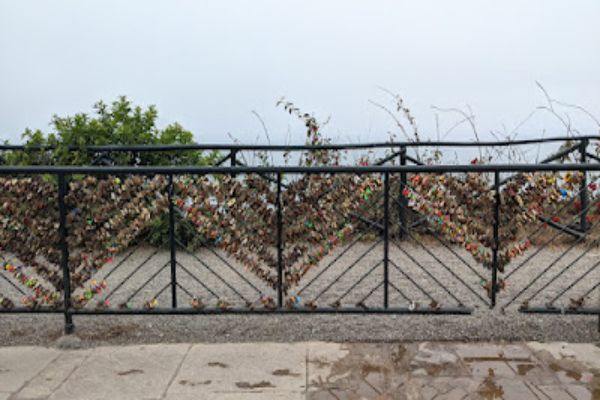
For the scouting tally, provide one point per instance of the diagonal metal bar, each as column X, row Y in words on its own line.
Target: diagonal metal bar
column 207, row 245
column 223, row 159
column 131, row 274
column 552, row 264
column 354, row 263
column 546, row 243
column 362, row 301
column 223, row 260
column 593, row 156
column 400, row 292
column 362, row 278
column 428, row 273
column 563, row 270
column 332, row 262
column 161, row 291
column 154, row 275
column 538, row 231
column 546, row 160
column 414, row 160
column 566, row 229
column 388, row 158
column 219, row 277
column 450, row 249
column 194, row 277
column 436, row 258
column 590, row 291
column 120, row 263
column 572, row 284
column 408, row 276
column 190, row 295
column 11, row 283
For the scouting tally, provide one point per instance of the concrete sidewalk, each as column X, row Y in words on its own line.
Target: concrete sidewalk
column 304, row 371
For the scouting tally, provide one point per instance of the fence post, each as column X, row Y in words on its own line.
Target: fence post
column 583, row 194
column 403, row 200
column 386, row 226
column 496, row 244
column 64, row 247
column 172, row 243
column 279, row 244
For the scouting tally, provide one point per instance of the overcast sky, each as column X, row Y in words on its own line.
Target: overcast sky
column 208, row 64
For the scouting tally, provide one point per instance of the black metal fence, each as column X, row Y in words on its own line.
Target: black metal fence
column 380, row 268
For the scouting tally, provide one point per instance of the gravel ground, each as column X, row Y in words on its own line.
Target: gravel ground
column 435, row 280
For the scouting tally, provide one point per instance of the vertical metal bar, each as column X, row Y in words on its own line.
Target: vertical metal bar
column 403, row 200
column 233, row 160
column 583, row 195
column 496, row 244
column 64, row 247
column 386, row 227
column 279, row 244
column 172, row 244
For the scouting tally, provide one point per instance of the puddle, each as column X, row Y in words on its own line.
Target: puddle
column 366, row 370
column 499, row 358
column 217, row 364
column 258, row 385
column 185, row 382
column 571, row 373
column 284, row 372
column 489, row 389
column 130, row 372
column 523, row 369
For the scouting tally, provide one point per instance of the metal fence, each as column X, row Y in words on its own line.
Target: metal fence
column 377, row 278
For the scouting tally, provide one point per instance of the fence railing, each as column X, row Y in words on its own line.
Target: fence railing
column 386, row 220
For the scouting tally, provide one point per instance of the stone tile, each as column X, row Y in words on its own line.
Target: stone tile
column 585, row 353
column 491, row 368
column 51, row 377
column 232, row 396
column 456, row 393
column 447, row 385
column 436, row 359
column 534, row 373
column 556, row 392
column 356, row 370
column 579, row 392
column 242, row 370
column 140, row 372
column 488, row 350
column 516, row 389
column 20, row 364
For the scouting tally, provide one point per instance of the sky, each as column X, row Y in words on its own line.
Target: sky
column 210, row 65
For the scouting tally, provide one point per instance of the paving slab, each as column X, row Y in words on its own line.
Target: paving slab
column 18, row 365
column 47, row 381
column 586, row 353
column 362, row 370
column 244, row 370
column 129, row 372
column 419, row 371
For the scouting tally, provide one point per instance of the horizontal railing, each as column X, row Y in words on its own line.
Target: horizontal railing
column 304, row 147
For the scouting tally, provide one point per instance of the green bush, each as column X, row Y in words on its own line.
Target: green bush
column 121, row 123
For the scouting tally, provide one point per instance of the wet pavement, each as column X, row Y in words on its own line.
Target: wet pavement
column 313, row 370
